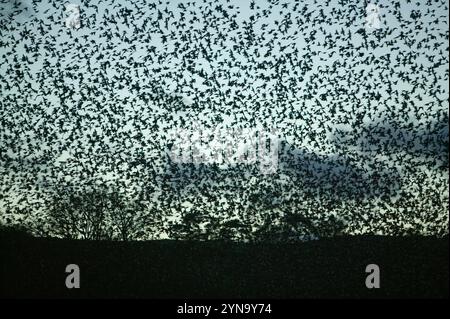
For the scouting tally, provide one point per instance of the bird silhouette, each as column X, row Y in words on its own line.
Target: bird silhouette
column 361, row 113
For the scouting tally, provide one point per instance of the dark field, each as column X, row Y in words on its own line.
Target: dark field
column 409, row 267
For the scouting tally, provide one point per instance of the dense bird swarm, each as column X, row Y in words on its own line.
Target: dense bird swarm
column 361, row 113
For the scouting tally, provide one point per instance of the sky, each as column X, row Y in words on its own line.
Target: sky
column 328, row 102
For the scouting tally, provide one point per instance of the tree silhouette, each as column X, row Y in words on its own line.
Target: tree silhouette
column 80, row 215
column 99, row 213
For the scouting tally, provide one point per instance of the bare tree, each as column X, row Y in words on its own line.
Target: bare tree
column 99, row 213
column 80, row 214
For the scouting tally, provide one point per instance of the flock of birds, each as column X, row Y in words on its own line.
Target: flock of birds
column 361, row 112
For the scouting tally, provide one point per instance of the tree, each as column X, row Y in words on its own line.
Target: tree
column 98, row 213
column 80, row 214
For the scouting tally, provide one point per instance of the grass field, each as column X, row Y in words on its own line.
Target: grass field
column 409, row 267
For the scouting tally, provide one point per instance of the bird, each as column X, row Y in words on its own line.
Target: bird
column 365, row 111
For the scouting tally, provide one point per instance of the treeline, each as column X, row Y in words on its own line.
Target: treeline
column 104, row 213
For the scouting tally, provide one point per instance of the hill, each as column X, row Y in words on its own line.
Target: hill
column 329, row 268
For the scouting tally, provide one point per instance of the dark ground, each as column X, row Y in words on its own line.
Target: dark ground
column 410, row 267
